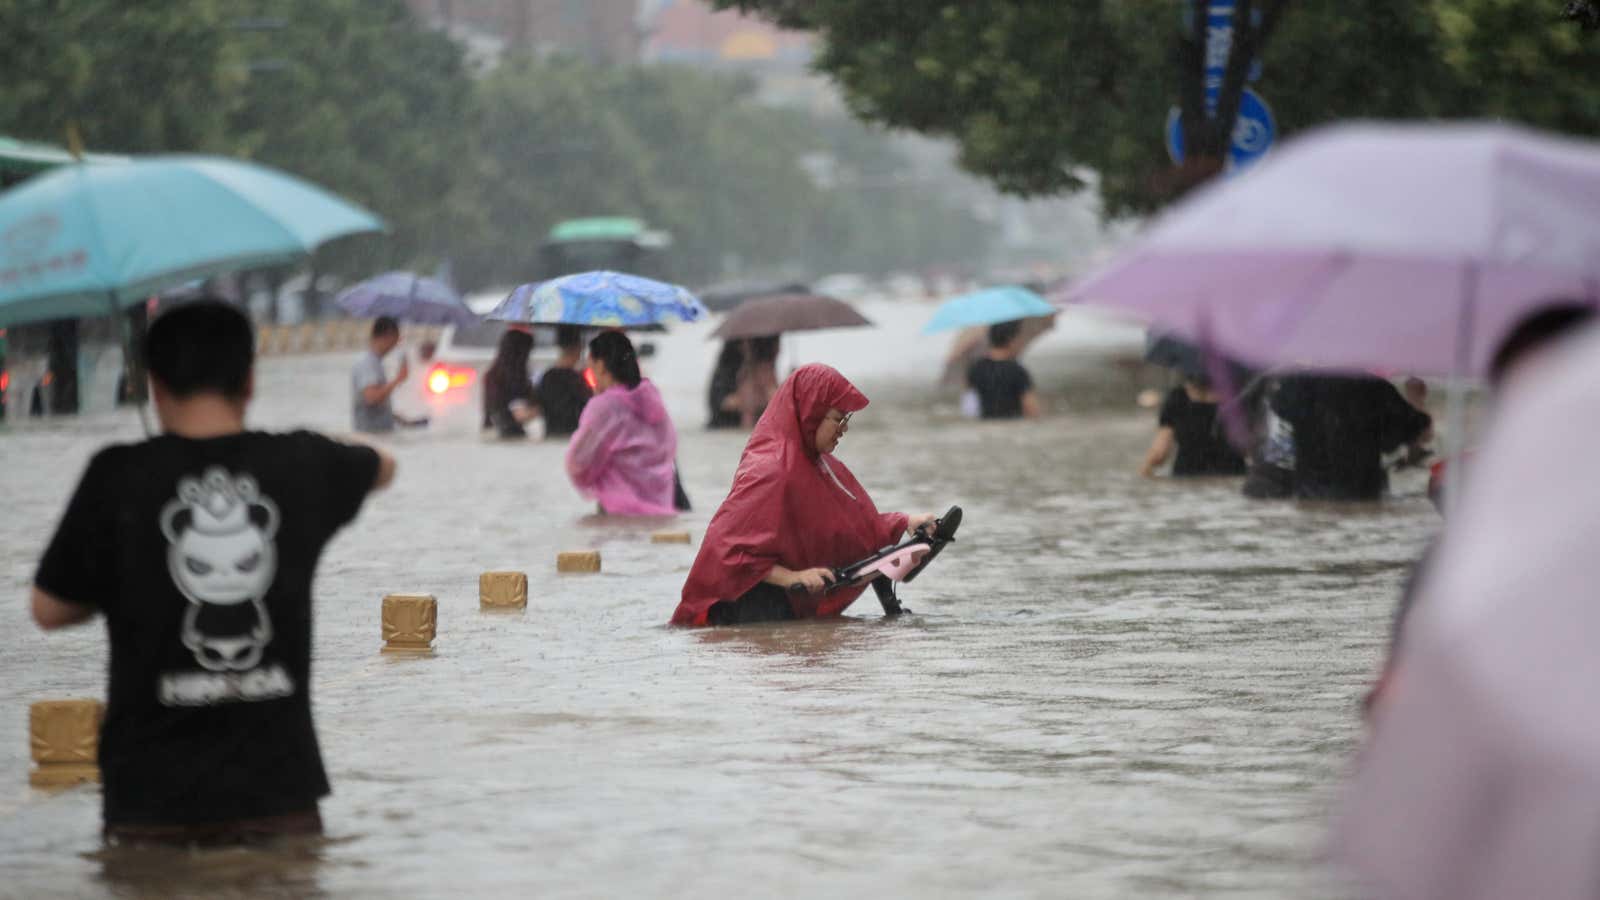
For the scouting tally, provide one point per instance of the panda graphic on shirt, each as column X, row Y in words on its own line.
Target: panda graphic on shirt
column 221, row 556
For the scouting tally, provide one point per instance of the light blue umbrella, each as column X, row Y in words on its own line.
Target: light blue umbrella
column 407, row 297
column 91, row 238
column 986, row 307
column 598, row 299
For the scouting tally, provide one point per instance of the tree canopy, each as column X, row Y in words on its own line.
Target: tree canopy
column 1039, row 94
column 360, row 97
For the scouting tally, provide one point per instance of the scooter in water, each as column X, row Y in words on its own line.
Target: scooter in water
column 902, row 562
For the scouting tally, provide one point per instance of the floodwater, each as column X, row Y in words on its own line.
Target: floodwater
column 1110, row 687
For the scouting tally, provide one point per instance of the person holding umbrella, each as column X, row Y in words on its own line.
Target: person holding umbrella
column 757, row 324
column 1004, row 389
column 370, row 409
column 999, row 387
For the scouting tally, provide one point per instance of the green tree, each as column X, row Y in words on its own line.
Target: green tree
column 696, row 155
column 1039, row 94
column 357, row 96
column 130, row 77
column 1511, row 62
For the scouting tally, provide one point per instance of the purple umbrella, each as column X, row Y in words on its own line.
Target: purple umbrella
column 407, row 297
column 782, row 313
column 1359, row 247
column 1482, row 778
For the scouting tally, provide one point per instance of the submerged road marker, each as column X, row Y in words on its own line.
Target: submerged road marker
column 64, row 738
column 503, row 590
column 410, row 623
column 582, row 561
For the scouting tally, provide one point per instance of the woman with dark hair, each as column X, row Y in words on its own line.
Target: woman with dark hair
column 723, row 395
column 622, row 453
column 508, row 399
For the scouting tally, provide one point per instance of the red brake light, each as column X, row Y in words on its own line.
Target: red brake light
column 5, row 381
column 441, row 378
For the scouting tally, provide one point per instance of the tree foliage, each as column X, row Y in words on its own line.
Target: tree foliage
column 1041, row 93
column 130, row 77
column 358, row 96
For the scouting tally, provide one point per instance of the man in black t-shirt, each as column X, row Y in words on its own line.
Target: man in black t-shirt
column 562, row 392
column 1003, row 387
column 199, row 547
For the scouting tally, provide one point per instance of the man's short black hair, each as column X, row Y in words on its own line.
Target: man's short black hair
column 202, row 347
column 383, row 326
column 1537, row 329
column 569, row 337
column 1001, row 334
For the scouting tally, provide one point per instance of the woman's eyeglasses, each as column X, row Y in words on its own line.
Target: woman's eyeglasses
column 842, row 421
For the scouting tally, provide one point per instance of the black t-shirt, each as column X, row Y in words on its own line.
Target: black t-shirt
column 562, row 396
column 1342, row 426
column 201, row 554
column 498, row 393
column 1202, row 448
column 1000, row 384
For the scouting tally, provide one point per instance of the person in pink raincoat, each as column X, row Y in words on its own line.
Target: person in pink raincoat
column 622, row 453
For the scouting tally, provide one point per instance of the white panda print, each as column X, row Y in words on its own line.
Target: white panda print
column 221, row 555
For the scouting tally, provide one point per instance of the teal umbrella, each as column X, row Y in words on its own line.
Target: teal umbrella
column 91, row 238
column 986, row 307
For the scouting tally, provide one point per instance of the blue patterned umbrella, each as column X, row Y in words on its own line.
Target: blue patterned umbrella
column 407, row 297
column 598, row 299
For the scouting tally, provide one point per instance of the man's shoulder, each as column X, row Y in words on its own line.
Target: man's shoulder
column 291, row 444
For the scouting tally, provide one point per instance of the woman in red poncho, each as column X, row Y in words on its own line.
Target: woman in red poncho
column 794, row 513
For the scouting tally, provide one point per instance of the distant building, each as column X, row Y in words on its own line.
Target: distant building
column 598, row 30
column 691, row 31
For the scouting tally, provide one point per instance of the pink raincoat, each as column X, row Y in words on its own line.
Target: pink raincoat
column 622, row 453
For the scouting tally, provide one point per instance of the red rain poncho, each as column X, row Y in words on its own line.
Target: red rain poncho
column 789, row 505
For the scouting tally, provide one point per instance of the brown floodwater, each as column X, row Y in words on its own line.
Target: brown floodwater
column 1110, row 687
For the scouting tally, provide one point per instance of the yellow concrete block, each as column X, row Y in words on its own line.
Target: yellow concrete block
column 410, row 623
column 670, row 537
column 503, row 590
column 585, row 561
column 64, row 737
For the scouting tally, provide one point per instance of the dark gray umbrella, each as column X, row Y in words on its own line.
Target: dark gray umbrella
column 781, row 313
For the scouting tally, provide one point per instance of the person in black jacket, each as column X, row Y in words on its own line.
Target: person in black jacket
column 1342, row 425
